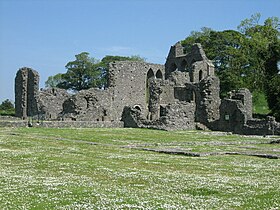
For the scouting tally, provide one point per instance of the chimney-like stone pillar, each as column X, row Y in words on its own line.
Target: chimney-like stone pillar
column 26, row 92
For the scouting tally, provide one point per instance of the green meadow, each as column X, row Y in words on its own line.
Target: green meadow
column 44, row 168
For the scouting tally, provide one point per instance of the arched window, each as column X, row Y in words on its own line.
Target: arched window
column 150, row 74
column 137, row 107
column 159, row 74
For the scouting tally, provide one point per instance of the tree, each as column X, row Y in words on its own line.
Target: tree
column 273, row 96
column 86, row 72
column 6, row 105
column 262, row 44
column 82, row 73
column 53, row 81
column 245, row 58
column 265, row 53
column 224, row 48
column 7, row 108
column 202, row 36
column 239, row 56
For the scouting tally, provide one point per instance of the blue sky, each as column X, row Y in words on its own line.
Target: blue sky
column 46, row 34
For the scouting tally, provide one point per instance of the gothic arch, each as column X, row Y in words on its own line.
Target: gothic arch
column 159, row 74
column 150, row 74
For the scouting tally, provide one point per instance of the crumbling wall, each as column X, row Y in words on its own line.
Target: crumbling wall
column 235, row 111
column 26, row 92
column 266, row 126
column 50, row 103
column 179, row 78
column 208, row 100
column 167, row 95
column 245, row 96
column 201, row 70
column 155, row 90
column 176, row 116
column 195, row 62
column 232, row 116
column 178, row 96
column 128, row 83
column 88, row 105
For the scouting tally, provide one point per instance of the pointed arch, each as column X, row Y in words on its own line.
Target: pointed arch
column 159, row 74
column 150, row 74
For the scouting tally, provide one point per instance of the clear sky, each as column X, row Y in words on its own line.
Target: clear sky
column 46, row 34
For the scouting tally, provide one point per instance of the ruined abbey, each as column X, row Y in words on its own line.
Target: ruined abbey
column 182, row 94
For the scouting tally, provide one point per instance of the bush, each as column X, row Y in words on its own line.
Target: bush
column 260, row 105
column 7, row 108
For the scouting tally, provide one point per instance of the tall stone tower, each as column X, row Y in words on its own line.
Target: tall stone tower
column 26, row 92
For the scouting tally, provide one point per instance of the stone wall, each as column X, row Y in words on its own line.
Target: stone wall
column 232, row 116
column 176, row 116
column 178, row 96
column 128, row 83
column 26, row 92
column 62, row 124
column 208, row 100
column 194, row 62
column 88, row 105
column 267, row 126
column 51, row 103
column 245, row 96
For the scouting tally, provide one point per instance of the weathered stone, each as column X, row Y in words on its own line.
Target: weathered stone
column 183, row 94
column 88, row 105
column 50, row 103
column 26, row 93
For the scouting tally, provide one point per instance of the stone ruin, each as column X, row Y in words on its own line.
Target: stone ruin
column 183, row 94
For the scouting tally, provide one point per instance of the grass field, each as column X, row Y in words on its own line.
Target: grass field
column 111, row 169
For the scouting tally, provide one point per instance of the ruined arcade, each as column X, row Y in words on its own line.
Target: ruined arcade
column 183, row 94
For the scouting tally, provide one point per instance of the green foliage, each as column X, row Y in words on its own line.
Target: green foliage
column 260, row 105
column 53, row 81
column 81, row 74
column 224, row 48
column 202, row 36
column 9, row 112
column 7, row 108
column 273, row 96
column 86, row 72
column 6, row 105
column 247, row 58
column 249, row 23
